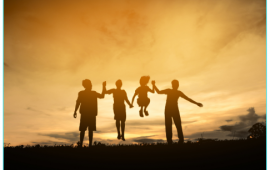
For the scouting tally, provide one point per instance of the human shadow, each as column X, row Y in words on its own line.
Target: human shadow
column 87, row 101
column 119, row 108
column 172, row 110
column 143, row 100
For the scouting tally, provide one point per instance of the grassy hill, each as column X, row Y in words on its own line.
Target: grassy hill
column 227, row 154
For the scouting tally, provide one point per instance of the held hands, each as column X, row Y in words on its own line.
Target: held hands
column 75, row 114
column 153, row 82
column 130, row 106
column 199, row 104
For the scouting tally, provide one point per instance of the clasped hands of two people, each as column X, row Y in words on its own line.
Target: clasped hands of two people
column 104, row 85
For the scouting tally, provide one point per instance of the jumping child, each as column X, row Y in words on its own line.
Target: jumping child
column 143, row 101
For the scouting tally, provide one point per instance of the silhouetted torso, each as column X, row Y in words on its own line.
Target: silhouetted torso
column 142, row 91
column 119, row 96
column 88, row 101
column 172, row 101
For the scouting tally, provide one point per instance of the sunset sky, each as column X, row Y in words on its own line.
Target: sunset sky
column 215, row 49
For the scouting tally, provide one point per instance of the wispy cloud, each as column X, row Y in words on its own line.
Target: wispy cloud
column 239, row 129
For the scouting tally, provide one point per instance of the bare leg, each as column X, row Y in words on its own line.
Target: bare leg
column 145, row 111
column 118, row 128
column 123, row 130
column 90, row 134
column 81, row 137
column 145, row 107
column 141, row 111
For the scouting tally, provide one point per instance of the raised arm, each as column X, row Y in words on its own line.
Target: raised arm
column 190, row 100
column 101, row 96
column 78, row 103
column 157, row 90
column 126, row 99
column 152, row 91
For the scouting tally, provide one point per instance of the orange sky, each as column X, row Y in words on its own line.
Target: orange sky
column 216, row 49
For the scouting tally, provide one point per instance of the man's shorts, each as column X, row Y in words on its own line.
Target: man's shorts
column 119, row 112
column 87, row 121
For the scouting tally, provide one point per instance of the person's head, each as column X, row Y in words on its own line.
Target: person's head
column 118, row 84
column 144, row 80
column 175, row 84
column 87, row 84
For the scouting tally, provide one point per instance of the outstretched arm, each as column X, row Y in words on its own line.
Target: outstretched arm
column 109, row 91
column 157, row 90
column 78, row 103
column 135, row 94
column 126, row 99
column 190, row 100
column 101, row 96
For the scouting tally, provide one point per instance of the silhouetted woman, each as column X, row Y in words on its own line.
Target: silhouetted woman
column 119, row 108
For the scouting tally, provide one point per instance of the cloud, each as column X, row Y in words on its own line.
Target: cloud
column 147, row 139
column 71, row 137
column 49, row 142
column 38, row 111
column 157, row 122
column 240, row 129
column 207, row 134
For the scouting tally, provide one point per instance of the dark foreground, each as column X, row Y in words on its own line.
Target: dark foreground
column 238, row 154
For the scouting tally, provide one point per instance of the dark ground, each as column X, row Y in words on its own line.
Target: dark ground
column 237, row 154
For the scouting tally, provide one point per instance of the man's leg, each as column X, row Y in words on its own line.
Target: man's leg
column 90, row 134
column 168, row 125
column 117, row 123
column 81, row 138
column 178, row 124
column 123, row 129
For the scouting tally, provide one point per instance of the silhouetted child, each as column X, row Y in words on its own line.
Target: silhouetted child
column 87, row 100
column 143, row 101
column 119, row 108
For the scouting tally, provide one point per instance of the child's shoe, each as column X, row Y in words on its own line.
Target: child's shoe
column 141, row 113
column 146, row 113
column 119, row 137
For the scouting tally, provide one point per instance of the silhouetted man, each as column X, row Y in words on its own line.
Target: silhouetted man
column 172, row 111
column 119, row 108
column 87, row 100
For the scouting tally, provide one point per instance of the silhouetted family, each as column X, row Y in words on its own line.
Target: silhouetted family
column 87, row 101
